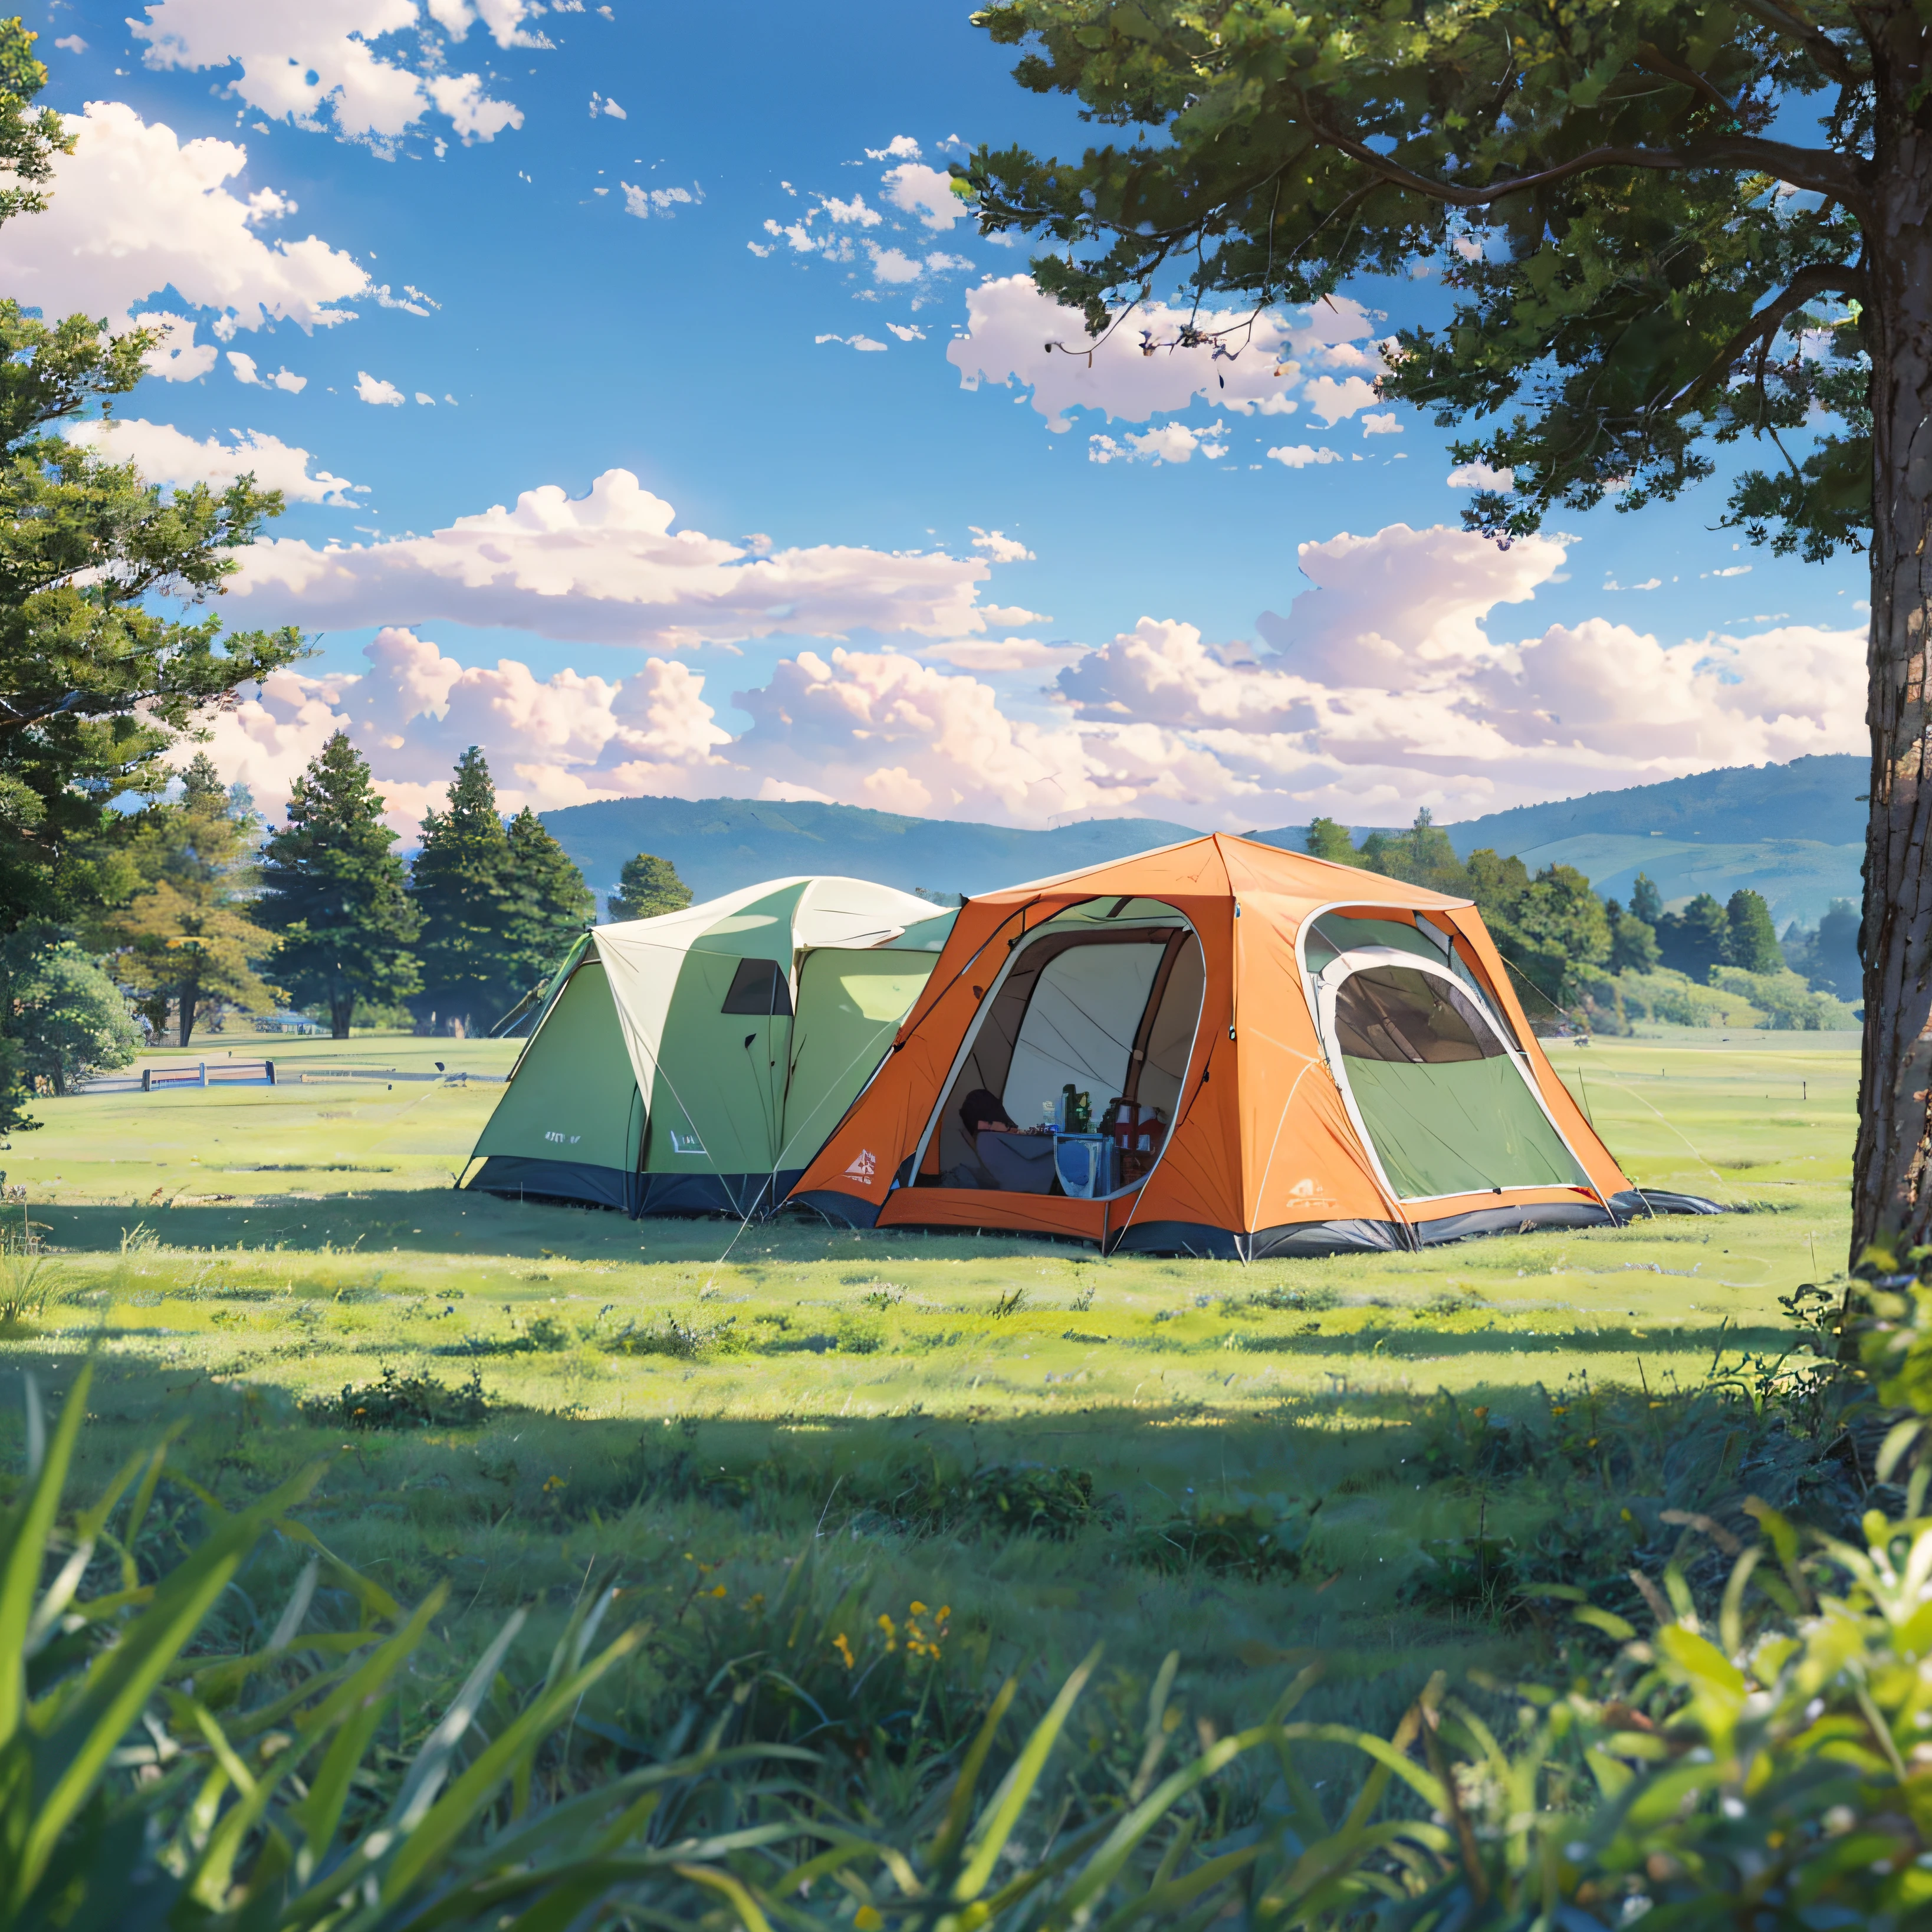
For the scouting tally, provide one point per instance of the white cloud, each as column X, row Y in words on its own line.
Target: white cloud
column 1736, row 570
column 1171, row 442
column 373, row 389
column 1010, row 323
column 1385, row 424
column 1392, row 688
column 165, row 454
column 607, row 567
column 1299, row 455
column 644, row 202
column 1480, row 476
column 176, row 357
column 901, row 147
column 314, row 62
column 424, row 397
column 864, row 342
column 602, row 103
column 246, row 371
column 1001, row 547
column 472, row 113
column 906, row 332
column 1332, row 401
column 71, row 44
column 924, row 192
column 849, row 214
column 892, row 264
column 136, row 211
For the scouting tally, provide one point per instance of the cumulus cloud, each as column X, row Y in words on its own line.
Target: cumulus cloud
column 1396, row 680
column 314, row 62
column 1001, row 547
column 1009, row 323
column 1480, row 476
column 1171, row 442
column 865, row 343
column 901, row 147
column 607, row 567
column 1332, row 401
column 246, row 371
column 906, row 331
column 135, row 210
column 1385, row 424
column 924, row 192
column 373, row 389
column 165, row 454
column 892, row 264
column 1299, row 455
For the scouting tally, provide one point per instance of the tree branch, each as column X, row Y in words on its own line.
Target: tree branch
column 1821, row 278
column 1820, row 173
column 1823, row 49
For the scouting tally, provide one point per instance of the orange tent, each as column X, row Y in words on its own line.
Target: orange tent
column 1277, row 1056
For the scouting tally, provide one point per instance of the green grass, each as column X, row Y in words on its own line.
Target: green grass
column 1060, row 1449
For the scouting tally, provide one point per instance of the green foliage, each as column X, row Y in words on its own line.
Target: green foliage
column 1696, row 940
column 398, row 1401
column 66, row 1018
column 548, row 905
column 1678, row 1000
column 1632, row 940
column 500, row 906
column 647, row 886
column 186, row 940
column 459, row 884
column 1262, row 1542
column 1423, row 855
column 333, row 892
column 1326, row 839
column 1828, row 956
column 1646, row 901
column 1636, row 239
column 1753, row 943
column 1787, row 1004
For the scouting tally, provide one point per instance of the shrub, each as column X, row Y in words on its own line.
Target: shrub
column 396, row 1401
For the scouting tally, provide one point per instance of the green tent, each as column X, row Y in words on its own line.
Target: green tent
column 694, row 1063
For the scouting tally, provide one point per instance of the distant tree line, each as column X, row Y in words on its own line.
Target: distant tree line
column 1710, row 963
column 196, row 908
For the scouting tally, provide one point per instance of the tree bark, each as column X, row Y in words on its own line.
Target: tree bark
column 190, row 998
column 1891, row 1200
column 341, row 1010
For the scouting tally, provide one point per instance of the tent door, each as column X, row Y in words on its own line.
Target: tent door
column 1443, row 1101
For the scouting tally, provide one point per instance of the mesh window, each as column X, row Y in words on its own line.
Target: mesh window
column 1395, row 1013
column 757, row 987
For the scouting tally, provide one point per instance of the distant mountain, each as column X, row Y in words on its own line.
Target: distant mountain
column 1794, row 832
column 718, row 844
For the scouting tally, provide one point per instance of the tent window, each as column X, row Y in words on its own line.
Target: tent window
column 758, row 987
column 1446, row 1109
column 1393, row 1013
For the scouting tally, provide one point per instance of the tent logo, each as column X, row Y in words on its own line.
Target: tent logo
column 1308, row 1189
column 864, row 1167
column 682, row 1141
column 570, row 1140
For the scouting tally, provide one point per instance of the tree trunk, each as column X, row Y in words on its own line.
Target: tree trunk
column 190, row 998
column 340, row 1012
column 1891, row 1200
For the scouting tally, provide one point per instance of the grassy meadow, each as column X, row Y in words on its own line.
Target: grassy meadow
column 1378, row 1458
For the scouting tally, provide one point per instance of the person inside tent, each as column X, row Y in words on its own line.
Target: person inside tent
column 1021, row 1158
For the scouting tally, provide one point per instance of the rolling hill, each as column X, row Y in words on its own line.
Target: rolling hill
column 718, row 844
column 1794, row 832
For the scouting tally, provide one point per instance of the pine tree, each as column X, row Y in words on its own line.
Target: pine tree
column 648, row 887
column 1753, row 939
column 335, row 891
column 549, row 905
column 1646, row 901
column 183, row 941
column 460, row 884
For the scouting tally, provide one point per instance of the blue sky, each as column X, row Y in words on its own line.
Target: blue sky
column 662, row 242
